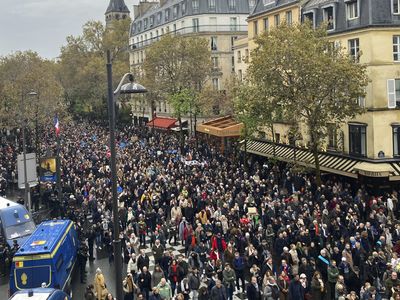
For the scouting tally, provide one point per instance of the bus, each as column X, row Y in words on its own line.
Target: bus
column 16, row 222
column 47, row 258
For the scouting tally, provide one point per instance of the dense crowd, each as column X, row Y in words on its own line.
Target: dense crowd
column 266, row 233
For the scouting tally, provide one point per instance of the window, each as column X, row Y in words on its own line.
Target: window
column 396, row 6
column 195, row 23
column 151, row 21
column 234, row 24
column 268, row 2
column 195, row 5
column 159, row 16
column 145, row 23
column 214, row 62
column 233, row 39
column 233, row 64
column 396, row 47
column 176, row 11
column 358, row 140
column 214, row 43
column 393, row 90
column 266, row 24
column 255, row 27
column 232, row 5
column 239, row 57
column 246, row 54
column 289, row 17
column 252, row 3
column 240, row 75
column 309, row 16
column 396, row 140
column 215, row 83
column 277, row 20
column 354, row 49
column 352, row 9
column 329, row 17
column 183, row 7
column 361, row 101
column 174, row 27
column 166, row 14
column 332, row 136
column 211, row 4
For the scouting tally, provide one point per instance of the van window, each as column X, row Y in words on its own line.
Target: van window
column 19, row 230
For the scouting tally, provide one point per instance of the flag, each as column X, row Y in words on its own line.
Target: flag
column 56, row 125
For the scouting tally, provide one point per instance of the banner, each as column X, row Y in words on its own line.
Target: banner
column 48, row 170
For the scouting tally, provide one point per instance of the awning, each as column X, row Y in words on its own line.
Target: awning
column 162, row 123
column 221, row 127
column 347, row 166
column 328, row 162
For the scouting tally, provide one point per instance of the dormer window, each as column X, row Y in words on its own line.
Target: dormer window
column 159, row 17
column 329, row 17
column 268, row 2
column 232, row 5
column 166, row 14
column 195, row 5
column 145, row 23
column 211, row 4
column 183, row 8
column 140, row 26
column 396, row 7
column 151, row 21
column 252, row 3
column 309, row 16
column 176, row 10
column 352, row 9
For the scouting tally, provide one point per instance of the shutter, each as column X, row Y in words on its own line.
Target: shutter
column 391, row 90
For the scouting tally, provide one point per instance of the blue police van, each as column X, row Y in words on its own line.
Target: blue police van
column 40, row 294
column 16, row 223
column 47, row 258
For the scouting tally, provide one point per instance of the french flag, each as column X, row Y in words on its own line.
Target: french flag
column 56, row 125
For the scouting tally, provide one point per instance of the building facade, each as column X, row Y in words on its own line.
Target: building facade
column 219, row 21
column 368, row 146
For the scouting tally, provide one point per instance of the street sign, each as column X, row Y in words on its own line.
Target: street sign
column 30, row 168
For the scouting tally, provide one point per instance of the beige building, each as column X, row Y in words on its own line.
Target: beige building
column 368, row 146
column 221, row 22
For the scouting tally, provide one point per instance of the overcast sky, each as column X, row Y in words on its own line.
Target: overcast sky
column 43, row 25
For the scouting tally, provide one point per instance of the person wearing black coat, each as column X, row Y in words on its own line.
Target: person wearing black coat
column 144, row 282
column 143, row 260
column 296, row 290
column 253, row 291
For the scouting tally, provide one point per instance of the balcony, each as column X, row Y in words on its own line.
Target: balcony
column 193, row 30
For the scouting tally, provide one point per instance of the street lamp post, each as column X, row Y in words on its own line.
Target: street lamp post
column 128, row 88
column 27, row 194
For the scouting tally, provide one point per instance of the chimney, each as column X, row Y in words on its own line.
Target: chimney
column 142, row 7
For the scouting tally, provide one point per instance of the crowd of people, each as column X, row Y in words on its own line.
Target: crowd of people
column 266, row 231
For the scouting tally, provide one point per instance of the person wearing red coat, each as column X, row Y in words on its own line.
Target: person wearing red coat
column 218, row 242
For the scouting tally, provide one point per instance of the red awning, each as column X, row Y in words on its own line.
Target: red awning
column 162, row 123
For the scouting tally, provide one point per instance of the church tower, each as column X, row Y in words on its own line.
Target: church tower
column 116, row 10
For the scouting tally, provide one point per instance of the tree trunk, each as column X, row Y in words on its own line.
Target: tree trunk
column 317, row 167
column 181, row 136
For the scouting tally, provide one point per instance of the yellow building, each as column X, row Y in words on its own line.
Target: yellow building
column 368, row 146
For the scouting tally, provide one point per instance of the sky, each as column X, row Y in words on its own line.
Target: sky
column 43, row 25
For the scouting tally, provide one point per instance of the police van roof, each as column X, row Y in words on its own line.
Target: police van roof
column 4, row 203
column 38, row 294
column 46, row 238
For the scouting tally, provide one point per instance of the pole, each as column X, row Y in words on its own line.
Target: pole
column 58, row 170
column 117, row 241
column 27, row 199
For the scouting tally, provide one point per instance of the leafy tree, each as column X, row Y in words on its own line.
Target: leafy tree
column 309, row 78
column 181, row 102
column 81, row 68
column 20, row 74
column 176, row 63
